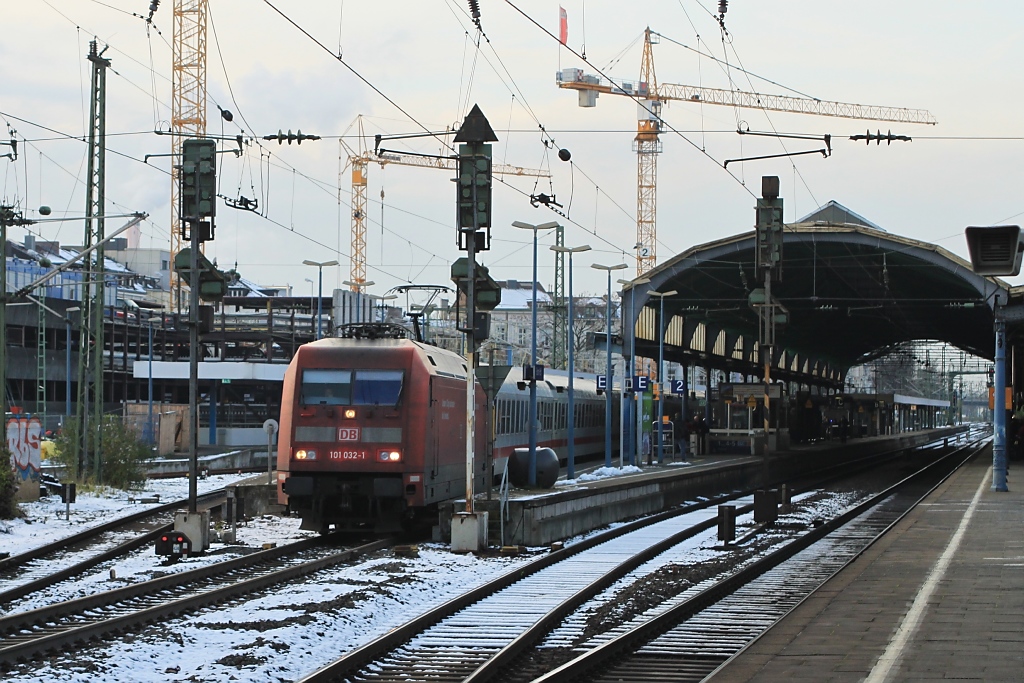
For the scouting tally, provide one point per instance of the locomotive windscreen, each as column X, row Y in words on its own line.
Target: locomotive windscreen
column 351, row 387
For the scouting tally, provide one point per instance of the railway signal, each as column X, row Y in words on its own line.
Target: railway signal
column 995, row 250
column 198, row 180
column 473, row 210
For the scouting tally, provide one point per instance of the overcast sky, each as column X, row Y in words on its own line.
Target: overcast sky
column 961, row 61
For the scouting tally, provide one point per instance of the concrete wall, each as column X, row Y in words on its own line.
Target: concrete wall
column 244, row 459
column 231, row 437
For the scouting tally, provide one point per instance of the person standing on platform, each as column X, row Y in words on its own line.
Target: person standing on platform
column 702, row 435
column 681, row 433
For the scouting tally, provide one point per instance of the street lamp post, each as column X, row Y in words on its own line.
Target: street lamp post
column 67, row 331
column 149, row 426
column 359, row 287
column 571, row 412
column 67, row 361
column 634, row 443
column 320, row 292
column 608, row 365
column 532, row 479
column 661, row 367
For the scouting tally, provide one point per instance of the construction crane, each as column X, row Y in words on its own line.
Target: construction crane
column 359, row 160
column 647, row 144
column 188, row 106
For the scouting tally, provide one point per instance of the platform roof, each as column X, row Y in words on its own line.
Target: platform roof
column 851, row 292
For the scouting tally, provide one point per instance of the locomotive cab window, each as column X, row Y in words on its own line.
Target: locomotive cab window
column 377, row 387
column 327, row 387
column 352, row 387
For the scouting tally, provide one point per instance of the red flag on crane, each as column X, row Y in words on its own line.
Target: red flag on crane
column 563, row 26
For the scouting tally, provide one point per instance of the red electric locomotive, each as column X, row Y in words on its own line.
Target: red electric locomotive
column 373, row 431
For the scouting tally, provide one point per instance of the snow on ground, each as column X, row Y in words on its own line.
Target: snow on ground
column 600, row 473
column 44, row 519
column 279, row 634
column 283, row 634
column 703, row 547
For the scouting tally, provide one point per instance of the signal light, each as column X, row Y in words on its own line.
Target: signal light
column 199, row 178
column 350, row 414
column 474, row 174
column 392, row 456
column 303, row 454
column 995, row 249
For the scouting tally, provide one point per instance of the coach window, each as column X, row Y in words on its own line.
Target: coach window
column 377, row 387
column 500, row 415
column 326, row 387
column 510, row 409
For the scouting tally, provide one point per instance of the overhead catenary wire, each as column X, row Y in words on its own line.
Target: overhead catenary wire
column 270, row 163
column 355, row 73
column 636, row 99
column 547, row 139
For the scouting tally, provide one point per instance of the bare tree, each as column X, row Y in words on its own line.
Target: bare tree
column 589, row 313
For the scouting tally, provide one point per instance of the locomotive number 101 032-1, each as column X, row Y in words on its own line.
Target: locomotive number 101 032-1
column 347, row 455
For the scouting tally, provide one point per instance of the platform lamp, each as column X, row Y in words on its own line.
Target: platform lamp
column 661, row 366
column 320, row 292
column 633, row 284
column 359, row 287
column 571, row 423
column 608, row 366
column 383, row 306
column 532, row 480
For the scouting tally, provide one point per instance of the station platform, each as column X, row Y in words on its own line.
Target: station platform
column 537, row 517
column 940, row 597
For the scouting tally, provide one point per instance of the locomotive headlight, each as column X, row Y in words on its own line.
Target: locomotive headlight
column 390, row 456
column 350, row 413
column 303, row 454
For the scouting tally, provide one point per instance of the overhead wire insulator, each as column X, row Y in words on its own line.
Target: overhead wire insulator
column 474, row 11
column 290, row 137
column 877, row 136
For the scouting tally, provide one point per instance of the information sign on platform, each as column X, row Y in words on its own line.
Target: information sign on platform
column 641, row 383
column 602, row 382
column 679, row 386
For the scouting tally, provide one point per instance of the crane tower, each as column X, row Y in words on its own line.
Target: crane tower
column 359, row 161
column 650, row 97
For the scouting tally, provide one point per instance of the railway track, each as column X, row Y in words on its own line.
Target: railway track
column 34, row 571
column 44, row 567
column 27, row 635
column 688, row 640
column 490, row 632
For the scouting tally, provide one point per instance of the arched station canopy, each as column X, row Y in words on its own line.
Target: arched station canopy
column 850, row 291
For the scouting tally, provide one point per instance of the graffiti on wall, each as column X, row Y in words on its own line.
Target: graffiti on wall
column 23, row 440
